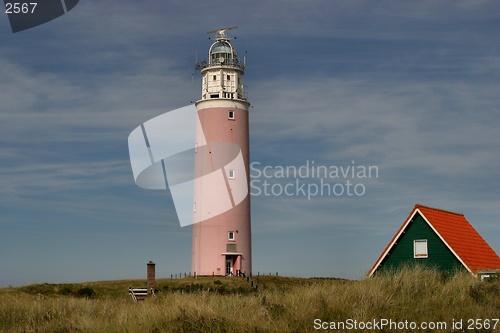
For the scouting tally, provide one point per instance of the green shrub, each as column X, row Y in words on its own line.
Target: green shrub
column 86, row 292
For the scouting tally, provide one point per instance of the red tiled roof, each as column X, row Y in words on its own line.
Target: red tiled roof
column 462, row 239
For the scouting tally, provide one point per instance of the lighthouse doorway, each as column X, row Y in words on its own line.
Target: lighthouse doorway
column 229, row 265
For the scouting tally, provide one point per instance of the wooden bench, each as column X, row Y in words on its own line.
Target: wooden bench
column 139, row 294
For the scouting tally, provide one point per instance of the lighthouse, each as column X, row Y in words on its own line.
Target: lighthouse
column 221, row 231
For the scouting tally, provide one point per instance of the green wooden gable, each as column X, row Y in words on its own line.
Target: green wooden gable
column 402, row 252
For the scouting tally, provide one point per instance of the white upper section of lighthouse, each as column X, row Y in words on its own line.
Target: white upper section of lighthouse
column 222, row 73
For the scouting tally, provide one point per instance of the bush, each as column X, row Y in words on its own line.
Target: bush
column 66, row 291
column 86, row 292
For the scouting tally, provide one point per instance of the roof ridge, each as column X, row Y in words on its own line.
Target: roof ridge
column 438, row 209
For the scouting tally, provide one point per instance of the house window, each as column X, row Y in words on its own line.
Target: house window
column 230, row 114
column 230, row 235
column 231, row 174
column 420, row 248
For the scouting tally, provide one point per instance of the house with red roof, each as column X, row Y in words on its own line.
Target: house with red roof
column 442, row 239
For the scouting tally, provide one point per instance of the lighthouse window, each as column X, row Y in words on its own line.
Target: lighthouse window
column 230, row 235
column 229, row 77
column 215, row 77
column 231, row 174
column 230, row 114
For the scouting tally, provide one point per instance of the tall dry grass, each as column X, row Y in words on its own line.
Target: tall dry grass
column 285, row 305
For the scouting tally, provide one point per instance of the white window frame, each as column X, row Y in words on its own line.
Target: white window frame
column 230, row 114
column 231, row 235
column 231, row 174
column 420, row 252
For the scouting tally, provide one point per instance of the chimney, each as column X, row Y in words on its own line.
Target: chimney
column 151, row 277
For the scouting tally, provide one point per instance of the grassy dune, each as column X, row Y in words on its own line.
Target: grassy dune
column 231, row 305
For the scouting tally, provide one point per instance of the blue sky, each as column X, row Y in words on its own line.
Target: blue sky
column 409, row 87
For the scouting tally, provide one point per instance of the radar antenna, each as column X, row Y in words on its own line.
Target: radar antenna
column 221, row 33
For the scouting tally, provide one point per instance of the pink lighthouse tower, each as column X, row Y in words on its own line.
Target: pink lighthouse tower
column 221, row 239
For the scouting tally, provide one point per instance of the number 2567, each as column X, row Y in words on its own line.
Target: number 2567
column 18, row 7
